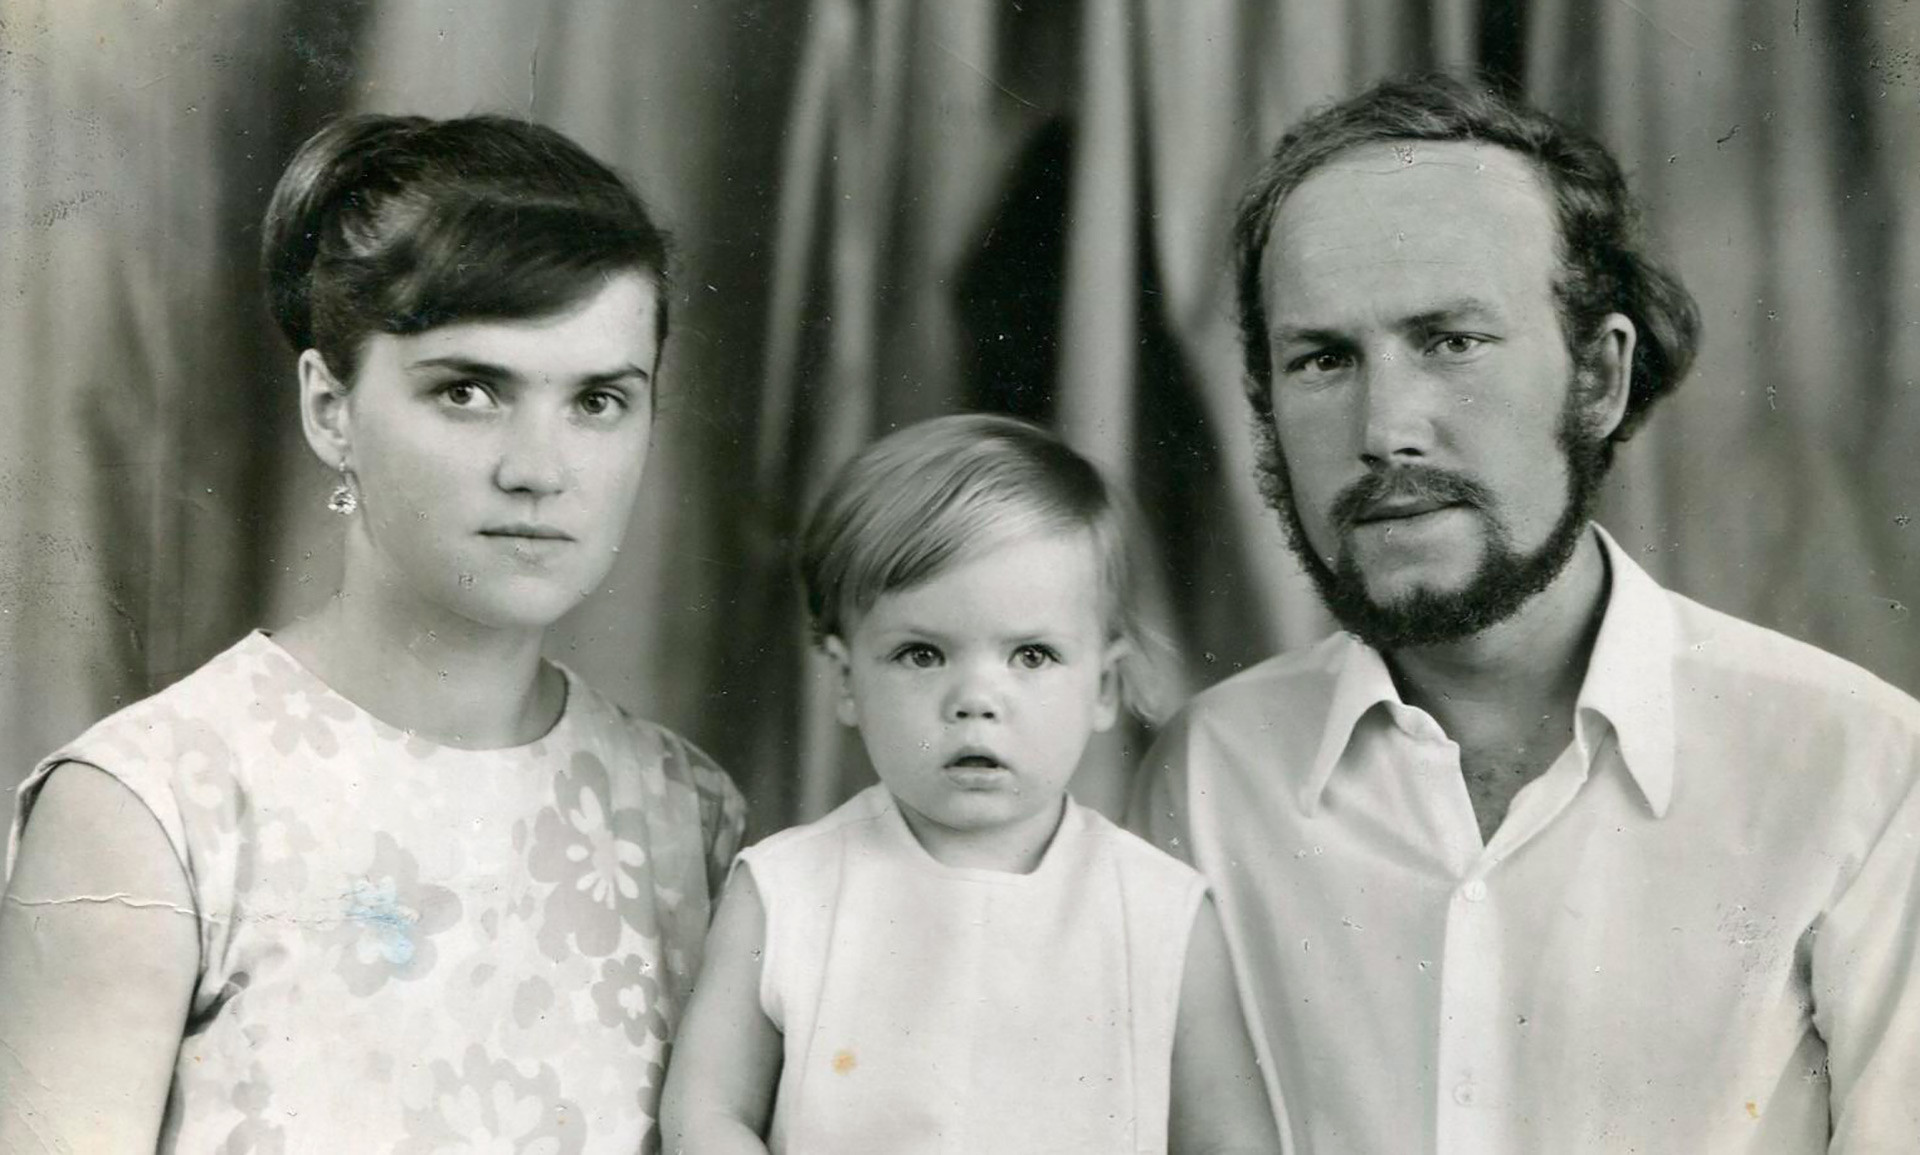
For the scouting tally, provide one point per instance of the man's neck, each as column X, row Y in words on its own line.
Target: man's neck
column 1506, row 696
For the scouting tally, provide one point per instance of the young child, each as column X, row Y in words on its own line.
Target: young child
column 961, row 959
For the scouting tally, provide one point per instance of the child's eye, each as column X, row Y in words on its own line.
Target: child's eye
column 919, row 655
column 1033, row 656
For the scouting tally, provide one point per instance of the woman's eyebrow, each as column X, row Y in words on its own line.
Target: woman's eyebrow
column 465, row 365
column 487, row 369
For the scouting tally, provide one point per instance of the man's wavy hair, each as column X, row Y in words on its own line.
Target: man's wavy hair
column 1602, row 269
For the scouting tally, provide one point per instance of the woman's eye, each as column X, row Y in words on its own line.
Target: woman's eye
column 464, row 394
column 1033, row 657
column 601, row 402
column 920, row 657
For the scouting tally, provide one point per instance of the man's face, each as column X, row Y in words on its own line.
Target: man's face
column 1433, row 461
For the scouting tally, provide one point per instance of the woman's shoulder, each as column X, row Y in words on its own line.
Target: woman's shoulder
column 598, row 721
column 222, row 695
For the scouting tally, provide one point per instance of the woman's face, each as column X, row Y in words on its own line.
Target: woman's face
column 497, row 461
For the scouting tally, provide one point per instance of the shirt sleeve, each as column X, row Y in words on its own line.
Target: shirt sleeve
column 1157, row 806
column 1866, row 987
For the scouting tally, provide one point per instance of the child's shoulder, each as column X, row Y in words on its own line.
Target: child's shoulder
column 1133, row 856
column 863, row 810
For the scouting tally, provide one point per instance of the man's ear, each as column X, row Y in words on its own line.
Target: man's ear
column 1106, row 708
column 845, row 707
column 324, row 416
column 1610, row 380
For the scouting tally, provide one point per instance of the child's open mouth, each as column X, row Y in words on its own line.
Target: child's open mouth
column 976, row 762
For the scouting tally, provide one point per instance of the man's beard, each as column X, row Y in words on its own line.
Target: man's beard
column 1506, row 578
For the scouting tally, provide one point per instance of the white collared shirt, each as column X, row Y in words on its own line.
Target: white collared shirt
column 1697, row 931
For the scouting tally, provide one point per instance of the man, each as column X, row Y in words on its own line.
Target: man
column 1536, row 856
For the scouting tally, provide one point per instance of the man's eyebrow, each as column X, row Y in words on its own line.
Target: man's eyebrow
column 1437, row 316
column 1308, row 335
column 1458, row 309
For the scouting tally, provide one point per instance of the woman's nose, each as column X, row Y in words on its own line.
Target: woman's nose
column 532, row 461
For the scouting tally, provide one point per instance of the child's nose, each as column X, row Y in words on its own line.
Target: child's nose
column 972, row 700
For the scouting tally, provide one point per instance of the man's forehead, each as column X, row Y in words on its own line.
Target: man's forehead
column 1406, row 218
column 1418, row 182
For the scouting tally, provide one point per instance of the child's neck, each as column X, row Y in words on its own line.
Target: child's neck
column 1013, row 848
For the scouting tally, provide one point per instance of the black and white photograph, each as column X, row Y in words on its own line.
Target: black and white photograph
column 966, row 577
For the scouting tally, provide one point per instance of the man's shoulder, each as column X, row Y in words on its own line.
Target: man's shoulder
column 1273, row 712
column 1286, row 678
column 1715, row 652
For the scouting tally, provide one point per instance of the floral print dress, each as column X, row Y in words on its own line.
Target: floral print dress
column 413, row 948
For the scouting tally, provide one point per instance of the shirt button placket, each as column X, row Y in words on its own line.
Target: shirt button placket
column 1467, row 976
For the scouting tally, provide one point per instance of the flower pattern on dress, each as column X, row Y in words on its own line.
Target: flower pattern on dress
column 254, row 1134
column 585, row 848
column 300, row 710
column 488, row 1105
column 416, row 947
column 628, row 995
column 390, row 918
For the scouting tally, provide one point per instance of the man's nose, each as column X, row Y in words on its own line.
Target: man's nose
column 1396, row 415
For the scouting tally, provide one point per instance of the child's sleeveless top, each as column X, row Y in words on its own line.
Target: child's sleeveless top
column 412, row 948
column 927, row 1008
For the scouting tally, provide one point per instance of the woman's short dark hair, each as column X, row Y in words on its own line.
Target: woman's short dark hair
column 398, row 224
column 1602, row 269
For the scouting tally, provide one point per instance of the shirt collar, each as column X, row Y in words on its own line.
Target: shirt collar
column 1362, row 682
column 1630, row 676
column 1629, row 684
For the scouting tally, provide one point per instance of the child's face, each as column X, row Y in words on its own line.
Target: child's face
column 976, row 692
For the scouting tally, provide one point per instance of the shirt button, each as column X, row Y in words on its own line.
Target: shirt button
column 1463, row 1094
column 1474, row 891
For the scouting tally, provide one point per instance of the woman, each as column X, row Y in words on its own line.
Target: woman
column 384, row 879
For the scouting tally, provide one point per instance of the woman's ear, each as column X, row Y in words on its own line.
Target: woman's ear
column 1106, row 708
column 845, row 707
column 323, row 412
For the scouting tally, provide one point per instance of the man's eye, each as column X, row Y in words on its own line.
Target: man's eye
column 1456, row 344
column 1033, row 657
column 920, row 657
column 1319, row 363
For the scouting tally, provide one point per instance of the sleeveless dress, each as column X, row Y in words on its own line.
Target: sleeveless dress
column 412, row 948
column 928, row 1008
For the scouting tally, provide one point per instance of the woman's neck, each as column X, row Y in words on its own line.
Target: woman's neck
column 437, row 675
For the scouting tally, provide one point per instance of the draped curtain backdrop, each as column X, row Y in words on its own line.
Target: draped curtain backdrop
column 892, row 209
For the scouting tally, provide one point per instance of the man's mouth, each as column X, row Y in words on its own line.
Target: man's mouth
column 1387, row 511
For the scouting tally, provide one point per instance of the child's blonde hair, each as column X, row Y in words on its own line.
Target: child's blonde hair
column 910, row 504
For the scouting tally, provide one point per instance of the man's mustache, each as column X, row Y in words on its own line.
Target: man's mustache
column 1382, row 490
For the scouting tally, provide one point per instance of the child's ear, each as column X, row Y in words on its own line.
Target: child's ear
column 845, row 708
column 1106, row 709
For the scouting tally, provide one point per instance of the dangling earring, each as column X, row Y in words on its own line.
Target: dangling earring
column 343, row 500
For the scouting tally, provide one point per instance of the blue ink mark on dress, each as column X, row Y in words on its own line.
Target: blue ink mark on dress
column 376, row 907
